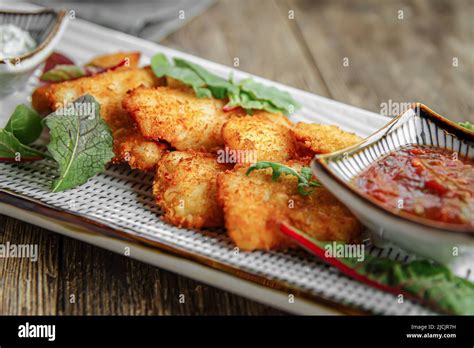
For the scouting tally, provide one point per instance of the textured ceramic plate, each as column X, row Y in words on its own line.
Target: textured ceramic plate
column 115, row 210
column 417, row 126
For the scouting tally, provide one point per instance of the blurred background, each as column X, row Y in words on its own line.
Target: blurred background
column 368, row 53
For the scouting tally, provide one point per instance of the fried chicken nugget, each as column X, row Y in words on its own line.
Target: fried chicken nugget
column 322, row 138
column 177, row 116
column 255, row 206
column 40, row 99
column 263, row 137
column 185, row 188
column 131, row 147
column 108, row 88
column 110, row 60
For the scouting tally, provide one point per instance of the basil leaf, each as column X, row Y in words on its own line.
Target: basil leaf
column 63, row 73
column 11, row 149
column 305, row 178
column 25, row 124
column 81, row 142
column 467, row 125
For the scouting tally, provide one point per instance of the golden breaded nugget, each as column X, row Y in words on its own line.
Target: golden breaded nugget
column 111, row 60
column 178, row 117
column 40, row 101
column 108, row 88
column 255, row 206
column 322, row 138
column 185, row 188
column 131, row 147
column 263, row 136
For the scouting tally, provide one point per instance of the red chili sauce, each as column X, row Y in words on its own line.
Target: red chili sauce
column 423, row 181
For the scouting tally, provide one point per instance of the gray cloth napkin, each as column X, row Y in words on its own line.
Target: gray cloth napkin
column 149, row 19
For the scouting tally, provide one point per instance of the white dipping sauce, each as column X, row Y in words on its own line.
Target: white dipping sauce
column 14, row 41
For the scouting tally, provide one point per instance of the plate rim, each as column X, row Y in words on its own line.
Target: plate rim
column 90, row 228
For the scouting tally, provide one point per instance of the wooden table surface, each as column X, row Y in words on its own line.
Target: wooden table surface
column 366, row 53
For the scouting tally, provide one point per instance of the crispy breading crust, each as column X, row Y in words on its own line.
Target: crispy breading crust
column 322, row 138
column 178, row 117
column 263, row 137
column 108, row 88
column 131, row 147
column 40, row 101
column 255, row 206
column 132, row 60
column 185, row 188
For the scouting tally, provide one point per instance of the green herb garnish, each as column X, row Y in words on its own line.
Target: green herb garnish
column 63, row 73
column 81, row 142
column 23, row 128
column 427, row 281
column 11, row 149
column 247, row 94
column 467, row 125
column 305, row 177
column 25, row 124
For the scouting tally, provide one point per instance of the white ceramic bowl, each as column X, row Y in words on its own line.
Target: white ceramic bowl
column 448, row 244
column 46, row 28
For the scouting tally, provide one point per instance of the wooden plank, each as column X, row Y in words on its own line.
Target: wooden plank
column 94, row 281
column 258, row 34
column 403, row 60
column 28, row 287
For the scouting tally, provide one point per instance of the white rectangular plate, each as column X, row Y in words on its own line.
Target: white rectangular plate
column 116, row 209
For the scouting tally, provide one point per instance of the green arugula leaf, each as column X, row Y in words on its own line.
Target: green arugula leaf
column 305, row 177
column 81, row 142
column 279, row 99
column 216, row 84
column 429, row 282
column 11, row 149
column 247, row 102
column 161, row 67
column 159, row 60
column 247, row 94
column 25, row 124
column 467, row 125
column 63, row 73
